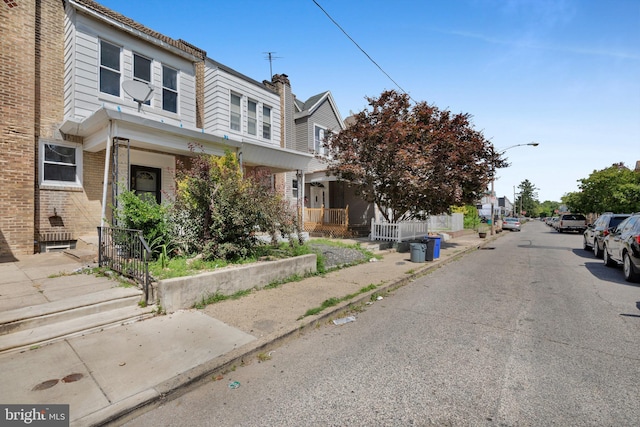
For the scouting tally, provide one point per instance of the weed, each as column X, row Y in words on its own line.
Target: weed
column 263, row 357
column 217, row 297
column 335, row 301
column 410, row 271
column 142, row 303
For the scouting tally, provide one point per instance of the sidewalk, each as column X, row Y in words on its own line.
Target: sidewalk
column 106, row 375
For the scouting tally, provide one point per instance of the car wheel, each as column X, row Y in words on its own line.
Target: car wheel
column 607, row 259
column 630, row 275
column 585, row 244
column 596, row 249
column 559, row 230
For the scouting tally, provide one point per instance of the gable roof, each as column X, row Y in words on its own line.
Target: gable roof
column 307, row 108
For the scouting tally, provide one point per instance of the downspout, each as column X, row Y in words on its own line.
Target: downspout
column 105, row 182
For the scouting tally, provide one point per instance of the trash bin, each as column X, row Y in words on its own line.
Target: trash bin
column 418, row 252
column 428, row 256
column 436, row 246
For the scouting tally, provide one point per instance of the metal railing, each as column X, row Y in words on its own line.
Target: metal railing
column 125, row 251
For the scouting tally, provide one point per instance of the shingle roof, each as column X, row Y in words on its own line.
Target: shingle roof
column 179, row 44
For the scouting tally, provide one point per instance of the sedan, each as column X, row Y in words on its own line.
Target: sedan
column 622, row 246
column 512, row 224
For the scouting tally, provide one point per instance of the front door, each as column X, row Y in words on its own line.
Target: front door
column 145, row 182
column 318, row 197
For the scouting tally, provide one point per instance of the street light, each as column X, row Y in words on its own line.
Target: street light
column 493, row 179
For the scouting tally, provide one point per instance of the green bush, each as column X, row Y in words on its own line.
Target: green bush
column 145, row 214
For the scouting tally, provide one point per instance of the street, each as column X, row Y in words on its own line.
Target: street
column 530, row 330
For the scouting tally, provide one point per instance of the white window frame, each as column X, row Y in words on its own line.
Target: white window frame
column 172, row 90
column 139, row 79
column 252, row 117
column 78, row 164
column 266, row 124
column 108, row 69
column 235, row 114
column 318, row 140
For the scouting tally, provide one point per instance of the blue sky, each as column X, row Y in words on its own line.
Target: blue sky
column 563, row 73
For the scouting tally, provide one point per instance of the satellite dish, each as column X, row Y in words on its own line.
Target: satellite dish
column 139, row 91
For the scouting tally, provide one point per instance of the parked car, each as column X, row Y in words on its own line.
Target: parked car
column 571, row 222
column 512, row 224
column 595, row 233
column 622, row 246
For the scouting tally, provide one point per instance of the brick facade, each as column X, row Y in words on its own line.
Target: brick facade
column 17, row 134
column 32, row 107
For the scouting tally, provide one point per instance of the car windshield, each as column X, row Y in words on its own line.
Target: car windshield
column 511, row 219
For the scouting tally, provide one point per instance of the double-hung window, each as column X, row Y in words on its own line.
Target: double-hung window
column 252, row 117
column 109, row 68
column 266, row 122
column 142, row 70
column 169, row 89
column 61, row 164
column 236, row 114
column 318, row 140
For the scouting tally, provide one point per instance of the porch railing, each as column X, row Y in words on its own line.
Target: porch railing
column 125, row 251
column 331, row 221
column 398, row 231
column 330, row 216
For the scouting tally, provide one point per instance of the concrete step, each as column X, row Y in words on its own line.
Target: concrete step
column 76, row 326
column 16, row 320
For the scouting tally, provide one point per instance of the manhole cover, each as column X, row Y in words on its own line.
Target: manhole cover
column 45, row 385
column 72, row 378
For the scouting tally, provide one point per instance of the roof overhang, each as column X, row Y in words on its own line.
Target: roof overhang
column 143, row 132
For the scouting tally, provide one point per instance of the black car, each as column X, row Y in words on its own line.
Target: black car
column 622, row 246
column 596, row 232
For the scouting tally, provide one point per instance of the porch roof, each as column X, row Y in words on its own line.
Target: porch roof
column 144, row 132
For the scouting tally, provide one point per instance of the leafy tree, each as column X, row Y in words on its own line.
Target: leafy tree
column 528, row 199
column 548, row 208
column 412, row 161
column 614, row 189
column 218, row 211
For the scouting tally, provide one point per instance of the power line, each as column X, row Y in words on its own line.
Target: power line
column 362, row 50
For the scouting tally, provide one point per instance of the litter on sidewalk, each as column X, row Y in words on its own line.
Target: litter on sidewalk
column 344, row 320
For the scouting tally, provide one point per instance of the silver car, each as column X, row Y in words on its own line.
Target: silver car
column 512, row 224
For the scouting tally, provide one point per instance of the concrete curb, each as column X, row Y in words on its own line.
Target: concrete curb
column 180, row 384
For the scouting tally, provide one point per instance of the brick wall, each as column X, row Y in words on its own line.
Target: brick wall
column 17, row 139
column 32, row 107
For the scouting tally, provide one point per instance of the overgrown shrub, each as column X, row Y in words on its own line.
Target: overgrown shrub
column 144, row 213
column 229, row 209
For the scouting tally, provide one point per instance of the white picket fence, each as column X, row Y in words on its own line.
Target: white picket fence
column 411, row 230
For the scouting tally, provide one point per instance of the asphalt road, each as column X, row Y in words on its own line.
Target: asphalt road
column 532, row 331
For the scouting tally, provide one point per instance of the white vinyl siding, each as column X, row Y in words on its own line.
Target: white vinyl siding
column 219, row 85
column 82, row 73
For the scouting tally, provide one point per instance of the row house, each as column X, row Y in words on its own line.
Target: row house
column 94, row 103
column 330, row 205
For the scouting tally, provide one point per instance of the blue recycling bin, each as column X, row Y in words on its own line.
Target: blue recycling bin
column 436, row 247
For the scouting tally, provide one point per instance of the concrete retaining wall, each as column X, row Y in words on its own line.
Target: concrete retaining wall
column 183, row 292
